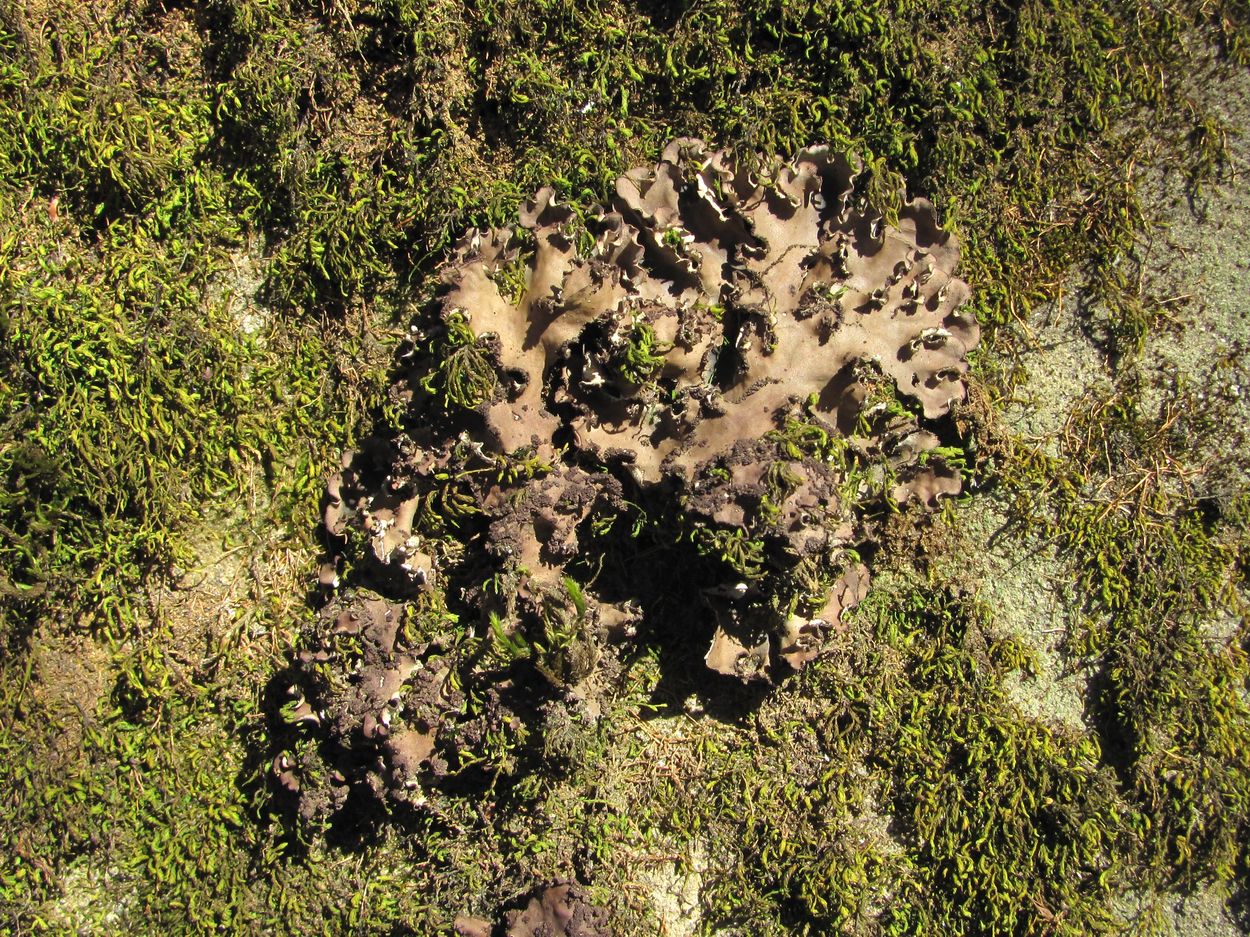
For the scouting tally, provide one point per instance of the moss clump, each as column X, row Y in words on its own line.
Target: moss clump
column 1150, row 505
column 923, row 800
column 135, row 392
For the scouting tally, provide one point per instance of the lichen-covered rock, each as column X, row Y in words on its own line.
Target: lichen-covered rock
column 743, row 356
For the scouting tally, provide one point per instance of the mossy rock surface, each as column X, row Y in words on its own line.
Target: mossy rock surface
column 219, row 221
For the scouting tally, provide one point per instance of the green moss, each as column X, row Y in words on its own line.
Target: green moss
column 743, row 556
column 643, row 355
column 1158, row 561
column 464, row 376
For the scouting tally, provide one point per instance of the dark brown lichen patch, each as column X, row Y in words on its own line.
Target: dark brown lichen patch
column 746, row 361
column 561, row 910
column 384, row 716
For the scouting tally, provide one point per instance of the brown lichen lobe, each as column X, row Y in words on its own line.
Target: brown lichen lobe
column 715, row 303
column 784, row 279
column 754, row 293
column 682, row 349
column 560, row 910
